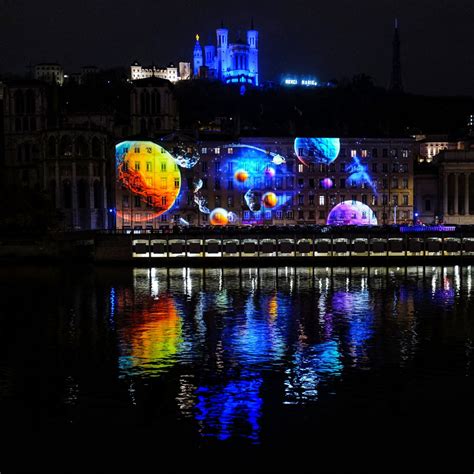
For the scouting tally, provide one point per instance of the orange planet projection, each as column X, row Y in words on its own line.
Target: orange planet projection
column 269, row 200
column 147, row 170
column 241, row 176
column 219, row 216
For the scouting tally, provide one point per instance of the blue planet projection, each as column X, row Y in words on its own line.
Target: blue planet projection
column 351, row 213
column 317, row 150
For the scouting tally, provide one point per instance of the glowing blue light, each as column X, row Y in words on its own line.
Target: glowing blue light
column 359, row 174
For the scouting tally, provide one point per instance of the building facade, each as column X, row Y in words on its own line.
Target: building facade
column 235, row 177
column 171, row 73
column 52, row 73
column 229, row 62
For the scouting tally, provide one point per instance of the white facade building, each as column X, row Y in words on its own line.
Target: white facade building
column 171, row 73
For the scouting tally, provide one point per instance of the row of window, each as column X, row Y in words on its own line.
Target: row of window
column 246, row 216
column 353, row 152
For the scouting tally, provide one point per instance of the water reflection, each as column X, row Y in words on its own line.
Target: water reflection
column 221, row 351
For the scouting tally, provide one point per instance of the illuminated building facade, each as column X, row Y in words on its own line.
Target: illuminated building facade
column 171, row 73
column 267, row 181
column 235, row 62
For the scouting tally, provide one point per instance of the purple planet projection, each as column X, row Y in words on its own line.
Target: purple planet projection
column 327, row 183
column 351, row 213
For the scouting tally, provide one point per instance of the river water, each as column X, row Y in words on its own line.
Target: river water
column 346, row 361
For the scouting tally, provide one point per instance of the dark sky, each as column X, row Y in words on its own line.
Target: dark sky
column 328, row 39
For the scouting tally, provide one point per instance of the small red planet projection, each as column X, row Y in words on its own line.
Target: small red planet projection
column 219, row 216
column 241, row 176
column 269, row 200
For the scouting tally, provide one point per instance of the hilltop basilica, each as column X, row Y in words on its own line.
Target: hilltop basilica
column 235, row 62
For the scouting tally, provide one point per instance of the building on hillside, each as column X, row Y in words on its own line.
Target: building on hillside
column 52, row 73
column 229, row 62
column 171, row 73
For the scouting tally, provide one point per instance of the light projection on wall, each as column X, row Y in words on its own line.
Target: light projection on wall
column 359, row 174
column 147, row 172
column 351, row 213
column 317, row 150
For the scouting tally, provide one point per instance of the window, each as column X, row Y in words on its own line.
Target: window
column 136, row 149
column 217, row 184
column 321, row 200
column 164, row 218
column 385, row 167
column 384, row 199
column 311, row 183
column 405, row 199
column 217, row 200
column 230, row 201
column 332, row 167
column 353, row 153
column 374, row 153
column 343, row 152
column 364, row 198
column 204, row 166
column 148, row 201
column 342, row 198
column 427, row 205
column 394, row 183
column 230, row 151
column 125, row 201
column 342, row 183
column 163, row 183
column 301, row 215
column 217, row 151
column 395, row 199
column 268, row 215
column 279, row 215
column 230, row 166
column 300, row 168
column 217, row 166
column 322, row 214
column 311, row 215
column 203, row 150
column 404, row 153
column 374, row 167
column 354, row 198
column 311, row 167
column 230, row 184
column 279, row 183
column 137, row 201
column 289, row 182
column 405, row 183
column 289, row 166
column 137, row 166
column 176, row 183
column 163, row 200
column 163, row 166
column 301, row 199
column 301, row 182
column 311, row 199
column 384, row 152
column 374, row 200
column 342, row 167
column 148, row 165
column 289, row 214
column 246, row 215
column 395, row 167
column 364, row 153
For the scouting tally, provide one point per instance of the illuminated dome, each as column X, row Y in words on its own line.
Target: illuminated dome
column 351, row 213
column 317, row 150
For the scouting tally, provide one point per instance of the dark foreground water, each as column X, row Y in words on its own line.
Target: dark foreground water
column 343, row 367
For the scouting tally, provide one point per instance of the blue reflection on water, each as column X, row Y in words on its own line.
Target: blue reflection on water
column 220, row 407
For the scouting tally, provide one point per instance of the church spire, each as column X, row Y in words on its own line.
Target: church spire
column 396, row 84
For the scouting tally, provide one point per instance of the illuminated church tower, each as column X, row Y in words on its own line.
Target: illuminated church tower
column 197, row 57
column 235, row 62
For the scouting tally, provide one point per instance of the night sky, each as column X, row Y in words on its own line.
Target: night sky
column 327, row 39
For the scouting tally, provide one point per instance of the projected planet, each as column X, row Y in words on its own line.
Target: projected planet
column 241, row 176
column 219, row 216
column 269, row 172
column 269, row 200
column 149, row 172
column 351, row 213
column 317, row 150
column 327, row 183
